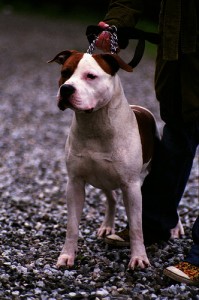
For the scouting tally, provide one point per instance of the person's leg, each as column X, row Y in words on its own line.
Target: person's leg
column 164, row 186
column 173, row 159
column 193, row 256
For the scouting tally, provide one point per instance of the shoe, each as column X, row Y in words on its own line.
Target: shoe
column 119, row 239
column 122, row 239
column 183, row 272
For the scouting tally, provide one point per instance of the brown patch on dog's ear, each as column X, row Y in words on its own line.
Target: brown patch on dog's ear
column 111, row 63
column 61, row 57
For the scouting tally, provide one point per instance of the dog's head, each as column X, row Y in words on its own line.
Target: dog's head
column 87, row 81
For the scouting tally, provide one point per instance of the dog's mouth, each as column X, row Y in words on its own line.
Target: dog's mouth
column 67, row 98
column 88, row 111
column 63, row 105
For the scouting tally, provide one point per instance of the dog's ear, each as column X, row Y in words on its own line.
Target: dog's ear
column 61, row 57
column 114, row 61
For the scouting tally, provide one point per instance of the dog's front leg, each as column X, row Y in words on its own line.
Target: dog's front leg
column 133, row 203
column 75, row 193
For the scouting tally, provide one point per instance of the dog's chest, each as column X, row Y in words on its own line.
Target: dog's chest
column 103, row 165
column 96, row 168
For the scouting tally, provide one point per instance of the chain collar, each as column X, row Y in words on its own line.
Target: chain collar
column 112, row 30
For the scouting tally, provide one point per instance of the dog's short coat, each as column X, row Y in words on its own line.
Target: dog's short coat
column 110, row 146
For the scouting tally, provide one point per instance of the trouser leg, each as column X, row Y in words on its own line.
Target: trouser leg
column 164, row 186
column 173, row 159
column 193, row 256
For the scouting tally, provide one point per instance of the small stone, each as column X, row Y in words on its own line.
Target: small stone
column 4, row 277
column 40, row 284
column 15, row 293
column 21, row 232
column 38, row 226
column 48, row 272
column 37, row 291
column 102, row 293
column 72, row 294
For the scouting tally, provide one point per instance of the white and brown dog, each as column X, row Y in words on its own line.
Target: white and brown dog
column 110, row 146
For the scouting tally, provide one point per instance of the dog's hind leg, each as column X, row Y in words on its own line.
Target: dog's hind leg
column 178, row 231
column 107, row 226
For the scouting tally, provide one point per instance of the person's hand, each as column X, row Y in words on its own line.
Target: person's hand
column 103, row 42
column 104, row 39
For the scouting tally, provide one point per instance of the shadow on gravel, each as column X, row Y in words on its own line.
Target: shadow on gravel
column 33, row 211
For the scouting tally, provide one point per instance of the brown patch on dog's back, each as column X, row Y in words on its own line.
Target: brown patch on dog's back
column 147, row 130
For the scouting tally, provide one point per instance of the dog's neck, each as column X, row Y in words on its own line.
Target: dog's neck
column 106, row 122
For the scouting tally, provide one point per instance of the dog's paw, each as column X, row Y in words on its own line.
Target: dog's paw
column 105, row 230
column 178, row 231
column 65, row 260
column 139, row 261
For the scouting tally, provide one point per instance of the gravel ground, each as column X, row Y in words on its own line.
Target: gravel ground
column 33, row 211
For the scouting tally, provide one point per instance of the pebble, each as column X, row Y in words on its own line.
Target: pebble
column 102, row 292
column 72, row 295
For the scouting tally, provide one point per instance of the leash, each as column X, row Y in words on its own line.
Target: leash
column 119, row 38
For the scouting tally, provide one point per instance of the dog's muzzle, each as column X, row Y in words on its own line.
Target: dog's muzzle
column 65, row 93
column 66, row 90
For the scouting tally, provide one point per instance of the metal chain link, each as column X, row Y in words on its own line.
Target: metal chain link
column 114, row 39
column 91, row 47
column 112, row 30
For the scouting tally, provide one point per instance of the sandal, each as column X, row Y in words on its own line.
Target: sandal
column 119, row 239
column 183, row 272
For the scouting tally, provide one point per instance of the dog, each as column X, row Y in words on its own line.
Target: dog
column 110, row 146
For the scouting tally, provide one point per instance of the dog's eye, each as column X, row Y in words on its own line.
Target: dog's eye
column 91, row 76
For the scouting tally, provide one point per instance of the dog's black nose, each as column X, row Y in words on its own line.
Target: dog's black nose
column 66, row 90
